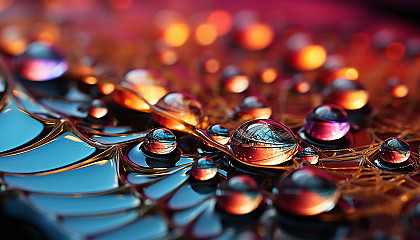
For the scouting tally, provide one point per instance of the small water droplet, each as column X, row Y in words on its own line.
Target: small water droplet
column 310, row 155
column 267, row 142
column 218, row 133
column 239, row 195
column 203, row 168
column 307, row 191
column 234, row 81
column 160, row 141
column 254, row 107
column 327, row 122
column 98, row 108
column 394, row 150
column 349, row 94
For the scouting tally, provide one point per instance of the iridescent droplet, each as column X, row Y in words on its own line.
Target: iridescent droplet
column 234, row 81
column 203, row 168
column 218, row 133
column 310, row 155
column 41, row 62
column 150, row 84
column 253, row 107
column 160, row 141
column 263, row 142
column 394, row 150
column 239, row 195
column 327, row 122
column 307, row 191
column 183, row 106
column 349, row 94
column 98, row 108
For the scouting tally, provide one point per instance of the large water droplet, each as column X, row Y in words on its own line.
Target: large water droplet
column 253, row 107
column 263, row 142
column 203, row 168
column 394, row 150
column 183, row 106
column 150, row 84
column 327, row 122
column 41, row 62
column 160, row 141
column 307, row 191
column 239, row 195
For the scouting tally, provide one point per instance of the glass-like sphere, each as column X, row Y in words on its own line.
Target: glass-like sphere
column 394, row 150
column 182, row 105
column 349, row 94
column 218, row 133
column 159, row 141
column 150, row 84
column 263, row 142
column 327, row 122
column 310, row 155
column 203, row 168
column 41, row 62
column 239, row 195
column 253, row 107
column 98, row 108
column 307, row 191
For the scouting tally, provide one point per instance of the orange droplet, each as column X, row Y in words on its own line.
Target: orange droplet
column 205, row 34
column 349, row 73
column 257, row 36
column 237, row 84
column 221, row 20
column 89, row 80
column 106, row 88
column 268, row 75
column 395, row 51
column 399, row 91
column 176, row 34
column 310, row 57
column 212, row 65
column 168, row 57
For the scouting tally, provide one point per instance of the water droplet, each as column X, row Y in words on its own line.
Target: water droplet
column 160, row 141
column 307, row 191
column 263, row 142
column 183, row 106
column 394, row 150
column 254, row 107
column 327, row 122
column 349, row 94
column 98, row 108
column 203, row 168
column 150, row 84
column 218, row 133
column 234, row 81
column 41, row 62
column 310, row 155
column 239, row 195
column 396, row 88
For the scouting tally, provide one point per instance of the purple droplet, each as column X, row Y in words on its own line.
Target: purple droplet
column 327, row 122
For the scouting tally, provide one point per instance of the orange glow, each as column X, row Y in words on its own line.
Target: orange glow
column 237, row 84
column 350, row 100
column 221, row 20
column 205, row 34
column 348, row 73
column 399, row 91
column 395, row 51
column 268, row 75
column 89, row 80
column 152, row 93
column 120, row 4
column 168, row 57
column 310, row 57
column 360, row 41
column 212, row 65
column 176, row 34
column 47, row 32
column 12, row 40
column 302, row 87
column 106, row 88
column 257, row 36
